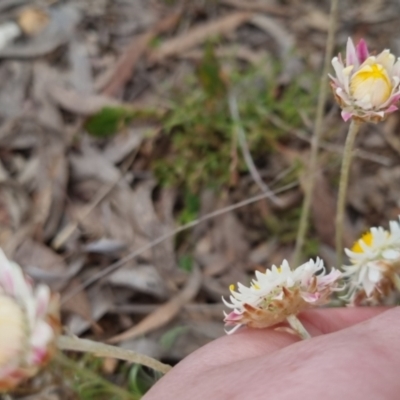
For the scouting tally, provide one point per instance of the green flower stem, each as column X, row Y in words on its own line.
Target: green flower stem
column 298, row 327
column 315, row 141
column 344, row 178
column 85, row 373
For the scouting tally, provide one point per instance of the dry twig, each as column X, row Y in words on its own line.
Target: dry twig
column 170, row 234
column 233, row 108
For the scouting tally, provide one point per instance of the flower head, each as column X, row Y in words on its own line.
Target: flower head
column 29, row 324
column 374, row 261
column 279, row 293
column 366, row 87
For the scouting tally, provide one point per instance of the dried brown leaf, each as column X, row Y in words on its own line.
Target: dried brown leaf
column 100, row 300
column 35, row 256
column 79, row 103
column 78, row 304
column 14, row 81
column 127, row 62
column 120, row 146
column 140, row 278
column 148, row 223
column 166, row 312
column 199, row 35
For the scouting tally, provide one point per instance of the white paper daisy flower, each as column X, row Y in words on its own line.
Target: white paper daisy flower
column 374, row 263
column 280, row 293
column 366, row 87
column 29, row 325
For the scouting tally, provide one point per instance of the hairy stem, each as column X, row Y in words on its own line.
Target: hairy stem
column 298, row 327
column 344, row 177
column 105, row 350
column 323, row 93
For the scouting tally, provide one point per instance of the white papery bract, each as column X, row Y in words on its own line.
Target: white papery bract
column 374, row 263
column 29, row 325
column 366, row 87
column 280, row 292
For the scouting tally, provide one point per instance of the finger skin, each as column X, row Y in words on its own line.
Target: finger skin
column 231, row 364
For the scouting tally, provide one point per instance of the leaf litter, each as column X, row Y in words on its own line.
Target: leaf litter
column 115, row 132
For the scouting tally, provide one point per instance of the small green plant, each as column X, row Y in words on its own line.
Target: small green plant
column 85, row 379
column 199, row 135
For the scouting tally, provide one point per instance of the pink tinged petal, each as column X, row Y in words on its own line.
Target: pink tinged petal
column 233, row 317
column 346, row 115
column 362, row 51
column 332, row 277
column 351, row 55
column 38, row 356
column 311, row 297
column 391, row 109
column 395, row 98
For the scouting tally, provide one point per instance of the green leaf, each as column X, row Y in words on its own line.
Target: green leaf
column 108, row 121
column 141, row 381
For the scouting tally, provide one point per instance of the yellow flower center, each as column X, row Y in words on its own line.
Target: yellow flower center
column 371, row 85
column 366, row 238
column 255, row 286
column 232, row 287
